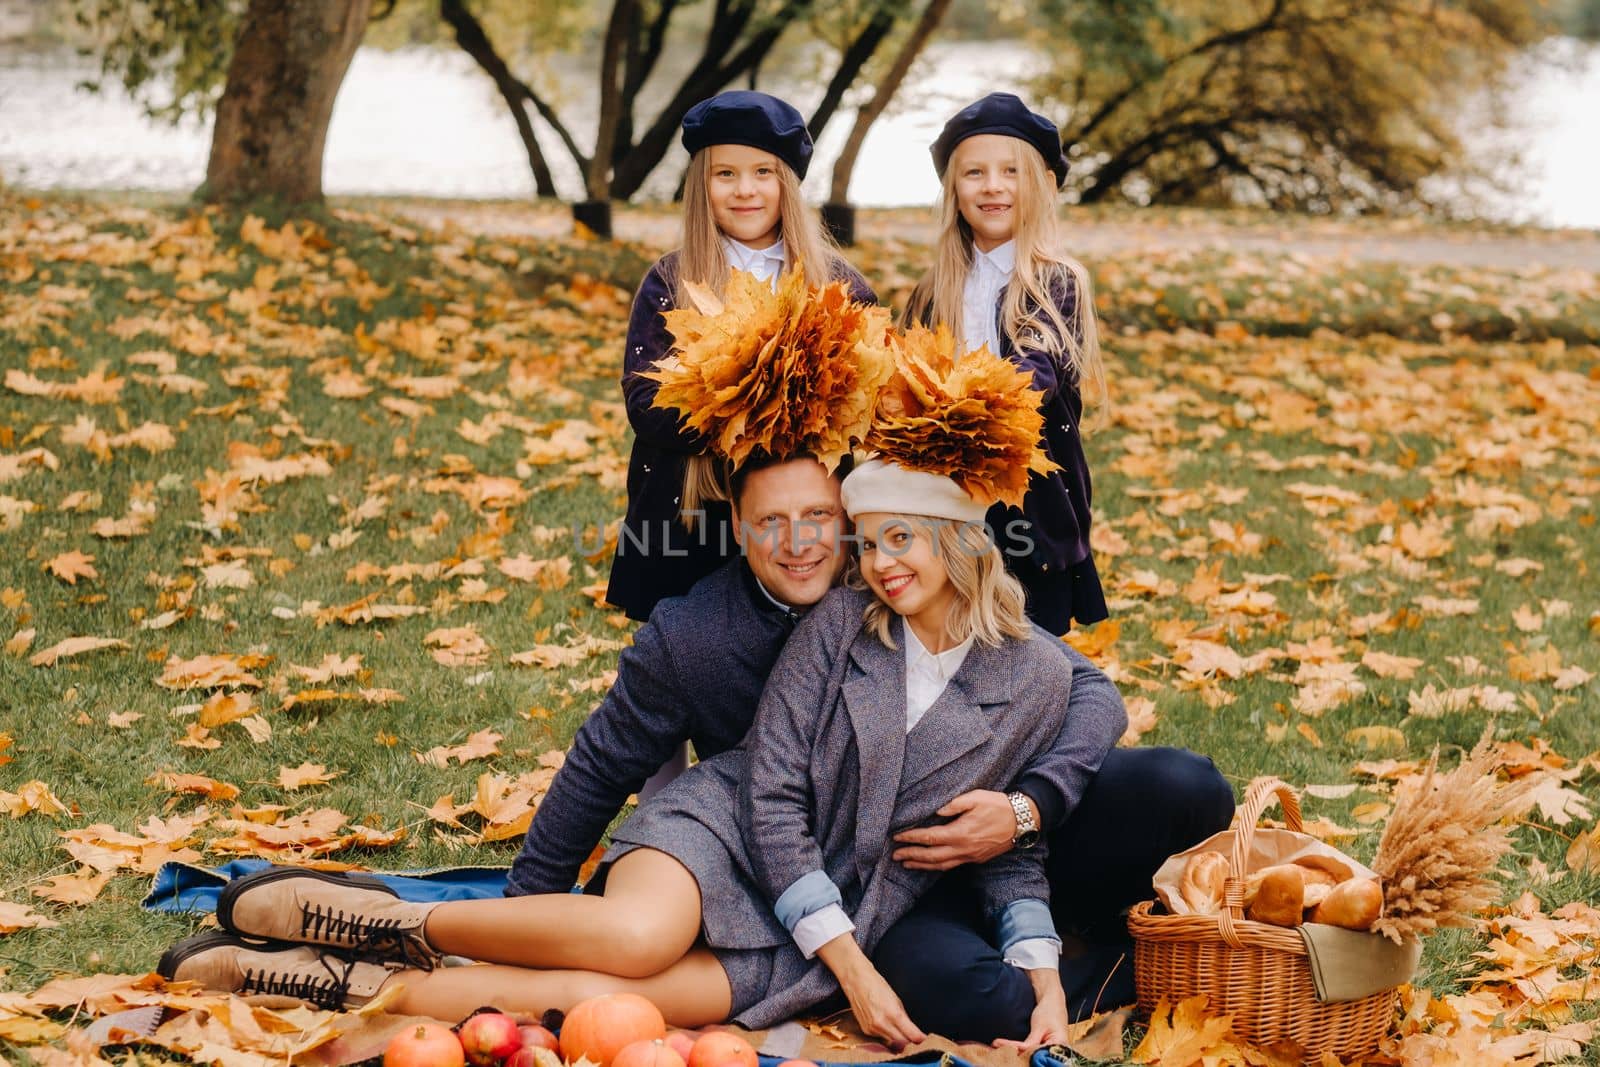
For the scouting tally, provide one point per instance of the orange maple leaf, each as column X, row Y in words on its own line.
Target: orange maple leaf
column 292, row 778
column 70, row 566
column 74, row 889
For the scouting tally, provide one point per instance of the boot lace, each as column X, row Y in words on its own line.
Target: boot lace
column 326, row 991
column 369, row 937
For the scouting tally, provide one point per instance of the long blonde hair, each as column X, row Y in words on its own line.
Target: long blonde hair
column 807, row 245
column 989, row 602
column 1029, row 310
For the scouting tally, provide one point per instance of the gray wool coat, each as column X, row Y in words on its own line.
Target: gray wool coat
column 825, row 778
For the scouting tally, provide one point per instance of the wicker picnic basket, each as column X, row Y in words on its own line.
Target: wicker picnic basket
column 1253, row 971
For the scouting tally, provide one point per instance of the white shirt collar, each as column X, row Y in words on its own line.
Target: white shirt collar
column 941, row 664
column 789, row 609
column 1002, row 258
column 762, row 262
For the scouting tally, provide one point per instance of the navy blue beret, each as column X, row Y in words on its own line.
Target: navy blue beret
column 1007, row 115
column 749, row 118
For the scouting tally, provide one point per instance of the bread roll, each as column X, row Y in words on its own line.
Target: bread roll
column 1280, row 899
column 1319, row 882
column 1201, row 886
column 1354, row 904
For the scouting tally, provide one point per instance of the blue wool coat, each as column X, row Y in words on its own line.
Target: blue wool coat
column 825, row 778
column 657, row 556
column 695, row 673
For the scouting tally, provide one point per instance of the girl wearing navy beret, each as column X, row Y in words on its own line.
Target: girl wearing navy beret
column 742, row 210
column 1001, row 278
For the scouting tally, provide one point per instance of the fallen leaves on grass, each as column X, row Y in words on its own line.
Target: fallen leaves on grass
column 32, row 796
column 481, row 745
column 503, row 805
column 72, row 647
column 75, row 890
column 14, row 917
column 307, row 774
column 70, row 566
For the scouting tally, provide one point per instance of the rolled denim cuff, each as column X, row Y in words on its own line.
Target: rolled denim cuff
column 809, row 893
column 1025, row 919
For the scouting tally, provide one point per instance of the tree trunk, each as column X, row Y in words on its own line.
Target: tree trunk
column 272, row 120
column 881, row 95
column 618, row 31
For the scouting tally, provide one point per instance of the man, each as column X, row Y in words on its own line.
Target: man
column 695, row 673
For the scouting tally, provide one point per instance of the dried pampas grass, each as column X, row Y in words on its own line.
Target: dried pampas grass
column 1442, row 844
column 786, row 372
column 974, row 419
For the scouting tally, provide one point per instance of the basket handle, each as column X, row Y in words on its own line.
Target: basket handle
column 1258, row 795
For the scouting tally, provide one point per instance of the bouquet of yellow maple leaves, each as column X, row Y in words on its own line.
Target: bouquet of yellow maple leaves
column 795, row 370
column 971, row 417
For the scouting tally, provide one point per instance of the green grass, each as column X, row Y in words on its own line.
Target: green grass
column 1312, row 386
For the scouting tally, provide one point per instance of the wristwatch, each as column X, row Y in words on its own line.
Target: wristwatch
column 1027, row 834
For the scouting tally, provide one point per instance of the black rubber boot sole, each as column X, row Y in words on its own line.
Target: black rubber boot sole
column 231, row 891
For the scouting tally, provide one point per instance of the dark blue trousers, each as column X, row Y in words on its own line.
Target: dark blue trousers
column 1143, row 805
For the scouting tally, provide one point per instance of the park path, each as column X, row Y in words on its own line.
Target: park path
column 1368, row 240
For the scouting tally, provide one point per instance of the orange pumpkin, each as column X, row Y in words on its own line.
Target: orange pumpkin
column 601, row 1027
column 655, row 1053
column 722, row 1049
column 425, row 1045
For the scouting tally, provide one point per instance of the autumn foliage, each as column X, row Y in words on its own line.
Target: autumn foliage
column 971, row 416
column 304, row 532
column 788, row 372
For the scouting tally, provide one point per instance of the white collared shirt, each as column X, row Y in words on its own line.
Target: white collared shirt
column 927, row 674
column 764, row 263
column 989, row 274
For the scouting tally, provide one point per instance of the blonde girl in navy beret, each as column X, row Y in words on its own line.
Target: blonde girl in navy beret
column 1001, row 278
column 742, row 210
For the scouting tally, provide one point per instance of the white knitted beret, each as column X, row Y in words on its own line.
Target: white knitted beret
column 882, row 486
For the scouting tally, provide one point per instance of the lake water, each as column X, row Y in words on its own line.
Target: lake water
column 426, row 122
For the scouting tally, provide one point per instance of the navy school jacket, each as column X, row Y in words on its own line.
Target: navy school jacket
column 657, row 557
column 1046, row 541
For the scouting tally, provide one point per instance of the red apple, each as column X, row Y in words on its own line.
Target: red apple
column 425, row 1045
column 528, row 1056
column 489, row 1037
column 538, row 1037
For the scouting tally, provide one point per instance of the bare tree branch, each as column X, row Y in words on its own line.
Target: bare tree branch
column 472, row 39
column 882, row 94
column 851, row 61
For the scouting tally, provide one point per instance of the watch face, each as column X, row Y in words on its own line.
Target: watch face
column 1027, row 839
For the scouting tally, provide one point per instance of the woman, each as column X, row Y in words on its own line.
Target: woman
column 754, row 887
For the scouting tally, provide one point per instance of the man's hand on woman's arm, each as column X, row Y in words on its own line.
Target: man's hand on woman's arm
column 873, row 1001
column 983, row 826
